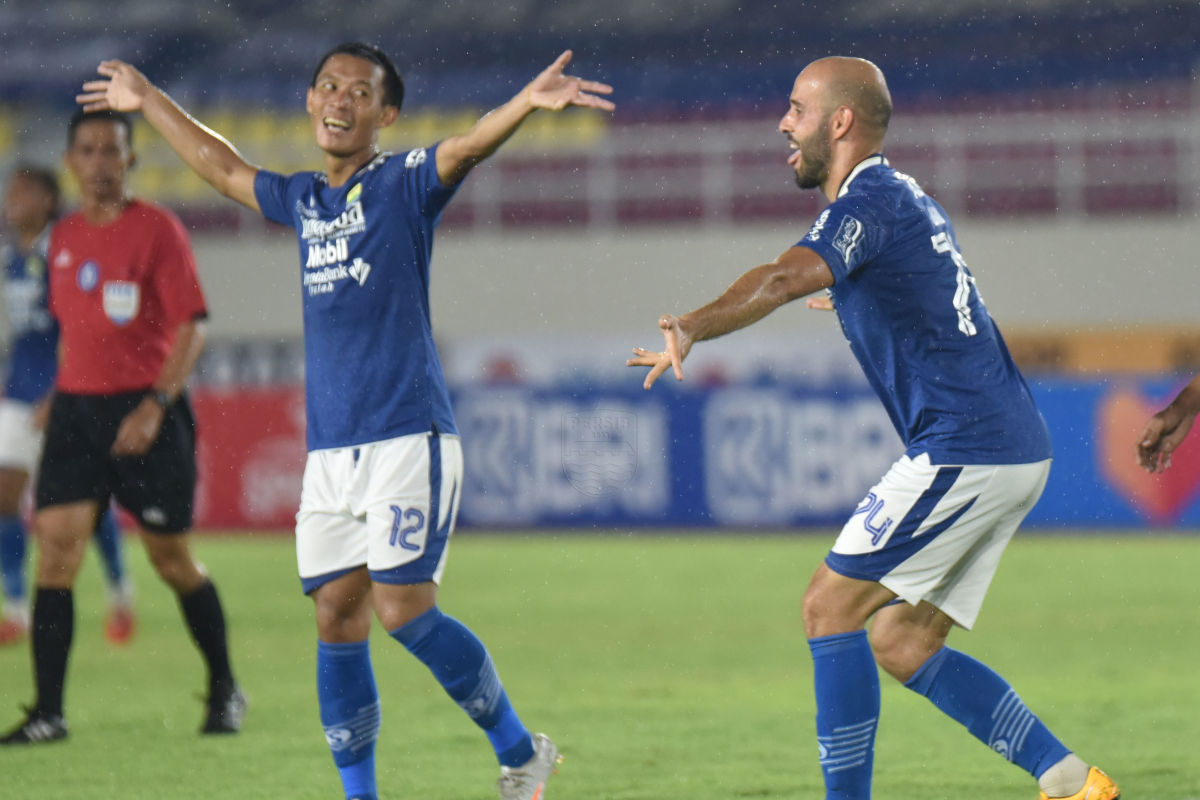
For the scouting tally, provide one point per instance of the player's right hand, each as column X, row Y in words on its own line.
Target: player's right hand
column 820, row 303
column 124, row 90
column 1165, row 431
column 678, row 344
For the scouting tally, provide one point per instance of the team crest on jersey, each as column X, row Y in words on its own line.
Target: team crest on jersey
column 814, row 233
column 415, row 158
column 354, row 194
column 88, row 275
column 599, row 450
column 121, row 301
column 848, row 236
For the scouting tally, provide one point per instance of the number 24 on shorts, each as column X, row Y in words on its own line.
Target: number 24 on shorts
column 400, row 532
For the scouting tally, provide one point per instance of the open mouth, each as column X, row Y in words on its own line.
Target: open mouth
column 336, row 125
column 795, row 156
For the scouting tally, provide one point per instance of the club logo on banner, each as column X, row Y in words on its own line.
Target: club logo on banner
column 599, row 450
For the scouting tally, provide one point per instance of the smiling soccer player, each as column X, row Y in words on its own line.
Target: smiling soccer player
column 384, row 473
column 919, row 553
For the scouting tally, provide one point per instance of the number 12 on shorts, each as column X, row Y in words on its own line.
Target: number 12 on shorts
column 401, row 532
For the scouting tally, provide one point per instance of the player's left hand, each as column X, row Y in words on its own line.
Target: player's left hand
column 555, row 91
column 124, row 89
column 820, row 303
column 679, row 343
column 139, row 429
column 1165, row 431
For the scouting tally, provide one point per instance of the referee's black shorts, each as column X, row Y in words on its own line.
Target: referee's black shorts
column 157, row 488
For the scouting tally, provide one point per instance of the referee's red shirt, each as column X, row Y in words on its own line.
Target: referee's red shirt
column 119, row 293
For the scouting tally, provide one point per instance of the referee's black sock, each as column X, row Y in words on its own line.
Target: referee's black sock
column 202, row 610
column 53, row 628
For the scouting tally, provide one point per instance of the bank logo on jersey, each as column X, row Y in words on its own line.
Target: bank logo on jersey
column 848, row 236
column 325, row 280
column 415, row 158
column 815, row 232
column 350, row 222
column 121, row 301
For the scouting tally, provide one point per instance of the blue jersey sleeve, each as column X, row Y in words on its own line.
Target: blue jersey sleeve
column 426, row 187
column 271, row 191
column 848, row 234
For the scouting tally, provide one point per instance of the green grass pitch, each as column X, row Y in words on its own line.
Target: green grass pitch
column 664, row 666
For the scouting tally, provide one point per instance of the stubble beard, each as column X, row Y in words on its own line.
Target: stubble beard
column 815, row 154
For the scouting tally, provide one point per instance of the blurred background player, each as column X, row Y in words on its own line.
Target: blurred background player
column 384, row 472
column 920, row 552
column 124, row 290
column 31, row 205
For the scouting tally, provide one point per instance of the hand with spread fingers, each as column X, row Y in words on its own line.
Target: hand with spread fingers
column 554, row 91
column 678, row 344
column 1167, row 429
column 124, row 89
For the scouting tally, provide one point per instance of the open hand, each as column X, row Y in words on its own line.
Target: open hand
column 139, row 429
column 124, row 90
column 1165, row 431
column 555, row 91
column 678, row 344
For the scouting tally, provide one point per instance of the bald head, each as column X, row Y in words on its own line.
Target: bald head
column 855, row 83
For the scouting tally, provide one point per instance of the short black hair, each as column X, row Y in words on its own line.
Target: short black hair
column 80, row 116
column 45, row 178
column 393, row 84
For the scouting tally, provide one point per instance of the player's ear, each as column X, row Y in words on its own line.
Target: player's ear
column 389, row 115
column 308, row 101
column 840, row 122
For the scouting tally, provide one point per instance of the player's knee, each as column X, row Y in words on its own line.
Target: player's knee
column 897, row 652
column 342, row 617
column 173, row 562
column 823, row 611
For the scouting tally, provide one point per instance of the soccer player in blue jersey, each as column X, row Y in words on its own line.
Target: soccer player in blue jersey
column 384, row 474
column 920, row 551
column 31, row 204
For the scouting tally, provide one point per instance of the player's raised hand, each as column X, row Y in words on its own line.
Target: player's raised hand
column 555, row 91
column 678, row 344
column 124, row 89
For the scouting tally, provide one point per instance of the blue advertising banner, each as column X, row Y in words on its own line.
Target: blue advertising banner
column 776, row 455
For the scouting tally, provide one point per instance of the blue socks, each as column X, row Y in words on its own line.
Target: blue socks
column 463, row 667
column 12, row 558
column 108, row 542
column 350, row 713
column 847, row 685
column 971, row 693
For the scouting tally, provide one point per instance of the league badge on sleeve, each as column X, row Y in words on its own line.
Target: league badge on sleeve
column 415, row 158
column 121, row 301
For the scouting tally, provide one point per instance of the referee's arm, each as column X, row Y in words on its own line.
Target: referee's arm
column 207, row 152
column 798, row 272
column 140, row 427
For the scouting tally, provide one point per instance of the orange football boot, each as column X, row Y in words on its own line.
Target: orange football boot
column 1098, row 787
column 120, row 625
column 12, row 632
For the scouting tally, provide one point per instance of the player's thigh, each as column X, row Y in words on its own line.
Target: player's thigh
column 331, row 540
column 75, row 465
column 343, row 607
column 159, row 487
column 20, row 447
column 171, row 556
column 411, row 505
column 12, row 486
column 62, row 532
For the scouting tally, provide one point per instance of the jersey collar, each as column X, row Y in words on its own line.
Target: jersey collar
column 870, row 161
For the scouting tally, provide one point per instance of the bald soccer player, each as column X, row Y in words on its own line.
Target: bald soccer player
column 920, row 551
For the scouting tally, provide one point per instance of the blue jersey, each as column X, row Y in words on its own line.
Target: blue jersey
column 34, row 332
column 915, row 321
column 371, row 369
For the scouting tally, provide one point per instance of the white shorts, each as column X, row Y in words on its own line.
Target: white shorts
column 936, row 533
column 389, row 506
column 20, row 442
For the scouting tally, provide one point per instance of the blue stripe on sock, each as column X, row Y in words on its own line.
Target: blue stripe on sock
column 846, row 681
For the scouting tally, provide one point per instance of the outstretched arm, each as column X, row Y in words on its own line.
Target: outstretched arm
column 212, row 157
column 551, row 90
column 796, row 273
column 1167, row 429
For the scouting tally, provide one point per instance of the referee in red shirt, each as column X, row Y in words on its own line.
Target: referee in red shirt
column 124, row 289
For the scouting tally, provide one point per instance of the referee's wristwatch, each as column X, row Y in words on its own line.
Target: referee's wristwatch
column 163, row 399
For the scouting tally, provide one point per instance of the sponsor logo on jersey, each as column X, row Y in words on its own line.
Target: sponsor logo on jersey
column 848, row 235
column 359, row 270
column 63, row 259
column 814, row 233
column 415, row 158
column 88, row 275
column 322, row 255
column 323, row 281
column 121, row 301
column 354, row 194
column 348, row 223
